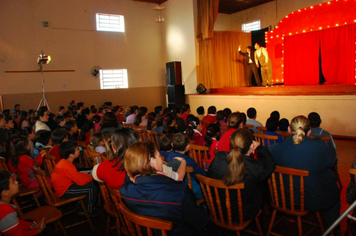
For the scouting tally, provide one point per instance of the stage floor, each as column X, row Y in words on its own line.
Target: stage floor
column 282, row 90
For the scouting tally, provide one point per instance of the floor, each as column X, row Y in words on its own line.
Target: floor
column 346, row 150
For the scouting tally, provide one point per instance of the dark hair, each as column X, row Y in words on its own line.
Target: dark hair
column 193, row 123
column 4, row 181
column 251, row 113
column 283, row 124
column 59, row 119
column 23, row 116
column 42, row 111
column 315, row 119
column 26, row 131
column 141, row 112
column 249, row 47
column 150, row 118
column 121, row 140
column 79, row 105
column 200, row 110
column 211, row 132
column 179, row 142
column 185, row 108
column 86, row 127
column 243, row 117
column 68, row 114
column 234, row 120
column 275, row 114
column 18, row 147
column 212, row 110
column 58, row 135
column 61, row 108
column 220, row 115
column 93, row 110
column 158, row 109
column 43, row 136
column 70, row 124
column 166, row 142
column 67, row 148
column 133, row 109
column 272, row 124
column 167, row 110
column 8, row 118
column 167, row 121
column 96, row 119
column 227, row 112
column 109, row 120
column 6, row 112
column 85, row 111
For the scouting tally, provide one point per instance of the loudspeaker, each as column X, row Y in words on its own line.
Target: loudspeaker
column 176, row 95
column 174, row 73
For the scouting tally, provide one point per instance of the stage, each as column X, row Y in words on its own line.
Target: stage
column 336, row 104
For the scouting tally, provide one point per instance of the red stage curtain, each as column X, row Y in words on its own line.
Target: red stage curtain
column 301, row 59
column 338, row 54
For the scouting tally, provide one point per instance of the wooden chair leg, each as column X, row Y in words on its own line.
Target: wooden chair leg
column 64, row 232
column 300, row 228
column 108, row 218
column 258, row 225
column 320, row 222
column 238, row 233
column 118, row 227
column 87, row 215
column 36, row 200
column 270, row 226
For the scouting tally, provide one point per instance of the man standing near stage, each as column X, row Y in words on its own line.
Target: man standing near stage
column 251, row 66
column 261, row 56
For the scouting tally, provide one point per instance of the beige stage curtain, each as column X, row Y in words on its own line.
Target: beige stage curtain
column 207, row 13
column 227, row 64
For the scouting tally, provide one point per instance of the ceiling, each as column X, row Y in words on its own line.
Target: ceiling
column 225, row 6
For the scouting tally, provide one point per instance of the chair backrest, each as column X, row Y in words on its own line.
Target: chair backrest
column 261, row 129
column 223, row 127
column 188, row 171
column 141, row 130
column 45, row 187
column 199, row 154
column 153, row 137
column 353, row 172
column 49, row 163
column 79, row 135
column 283, row 186
column 106, row 196
column 3, row 165
column 134, row 221
column 284, row 135
column 265, row 139
column 212, row 190
column 249, row 126
column 326, row 139
column 92, row 158
column 126, row 125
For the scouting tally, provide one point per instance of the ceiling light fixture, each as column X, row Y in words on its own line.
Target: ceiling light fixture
column 160, row 18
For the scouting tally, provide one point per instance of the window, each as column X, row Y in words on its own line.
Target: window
column 112, row 79
column 248, row 27
column 109, row 22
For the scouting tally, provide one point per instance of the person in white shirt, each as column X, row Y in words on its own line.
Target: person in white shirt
column 262, row 58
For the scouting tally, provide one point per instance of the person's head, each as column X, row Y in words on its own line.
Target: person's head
column 151, row 120
column 73, row 103
column 97, row 139
column 43, row 137
column 142, row 159
column 186, row 108
column 71, row 126
column 19, row 146
column 134, row 109
column 272, row 124
column 28, row 132
column 248, row 49
column 227, row 112
column 283, row 125
column 60, row 121
column 212, row 110
column 166, row 142
column 200, row 110
column 80, row 106
column 9, row 122
column 7, row 112
column 58, row 136
column 61, row 109
column 43, row 114
column 159, row 110
column 314, row 119
column 120, row 141
column 8, row 186
column 23, row 116
column 220, row 115
column 275, row 114
column 235, row 121
column 193, row 124
column 180, row 142
column 168, row 120
column 257, row 45
column 17, row 107
column 142, row 111
column 85, row 112
column 299, row 128
column 251, row 113
column 241, row 141
column 2, row 120
column 109, row 120
column 69, row 149
column 212, row 131
column 96, row 119
column 244, row 118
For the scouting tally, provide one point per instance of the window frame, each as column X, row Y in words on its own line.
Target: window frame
column 124, row 78
column 250, row 23
column 111, row 26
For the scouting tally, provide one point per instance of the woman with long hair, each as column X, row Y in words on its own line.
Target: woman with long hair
column 234, row 121
column 301, row 152
column 238, row 166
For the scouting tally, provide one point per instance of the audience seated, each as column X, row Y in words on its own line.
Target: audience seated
column 152, row 120
column 283, row 125
column 194, row 129
column 321, row 190
column 29, row 133
column 58, row 136
column 212, row 139
column 211, row 116
column 200, row 112
column 166, row 145
column 272, row 126
column 169, row 124
column 185, row 112
column 72, row 129
column 252, row 114
column 109, row 123
column 131, row 117
column 42, row 119
column 237, row 166
column 42, row 141
column 141, row 117
column 234, row 122
column 97, row 143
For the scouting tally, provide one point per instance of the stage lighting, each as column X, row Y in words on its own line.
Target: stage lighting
column 43, row 59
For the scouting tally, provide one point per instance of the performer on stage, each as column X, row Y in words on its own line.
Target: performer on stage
column 251, row 66
column 261, row 56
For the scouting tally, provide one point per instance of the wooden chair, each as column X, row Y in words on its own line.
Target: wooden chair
column 351, row 224
column 284, row 135
column 3, row 165
column 264, row 139
column 153, row 137
column 125, row 125
column 280, row 201
column 53, row 200
column 211, row 189
column 261, row 129
column 249, row 126
column 91, row 158
column 199, row 154
column 141, row 130
column 223, row 127
column 134, row 221
column 51, row 214
column 205, row 123
column 49, row 162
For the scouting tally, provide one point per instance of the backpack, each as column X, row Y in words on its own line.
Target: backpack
column 351, row 188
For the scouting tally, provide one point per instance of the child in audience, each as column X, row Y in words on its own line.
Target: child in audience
column 227, row 113
column 283, row 125
column 2, row 121
column 179, row 121
column 9, row 124
column 60, row 121
column 166, row 145
column 212, row 139
column 151, row 121
column 96, row 120
column 272, row 125
column 29, row 133
column 201, row 112
column 275, row 114
column 252, row 114
column 10, row 224
column 169, row 124
column 234, row 122
column 133, row 112
column 193, row 131
column 211, row 116
column 221, row 121
column 141, row 117
column 58, row 136
column 185, row 112
column 42, row 141
column 68, row 182
column 97, row 143
column 72, row 129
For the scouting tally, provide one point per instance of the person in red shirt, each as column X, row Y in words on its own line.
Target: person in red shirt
column 211, row 116
column 10, row 224
column 194, row 130
column 68, row 182
column 186, row 112
column 233, row 122
column 58, row 136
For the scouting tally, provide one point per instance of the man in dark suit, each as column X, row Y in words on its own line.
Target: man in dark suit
column 251, row 66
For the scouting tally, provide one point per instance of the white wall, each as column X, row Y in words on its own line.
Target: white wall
column 74, row 44
column 179, row 35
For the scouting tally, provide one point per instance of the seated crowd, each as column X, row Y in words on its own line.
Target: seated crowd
column 152, row 177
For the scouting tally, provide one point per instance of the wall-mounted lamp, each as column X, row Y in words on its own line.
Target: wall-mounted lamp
column 160, row 18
